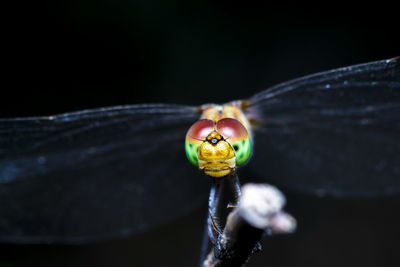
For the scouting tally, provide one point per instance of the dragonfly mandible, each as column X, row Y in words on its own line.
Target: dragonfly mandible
column 97, row 174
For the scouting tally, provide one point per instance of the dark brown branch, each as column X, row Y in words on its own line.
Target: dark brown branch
column 260, row 209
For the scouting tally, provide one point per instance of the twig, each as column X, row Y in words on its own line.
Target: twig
column 259, row 210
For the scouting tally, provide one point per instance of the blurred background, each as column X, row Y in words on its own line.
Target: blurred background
column 62, row 56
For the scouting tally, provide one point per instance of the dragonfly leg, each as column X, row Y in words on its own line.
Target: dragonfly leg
column 204, row 243
column 236, row 190
column 214, row 229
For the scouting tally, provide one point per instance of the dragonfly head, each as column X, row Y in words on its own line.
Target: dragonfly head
column 217, row 148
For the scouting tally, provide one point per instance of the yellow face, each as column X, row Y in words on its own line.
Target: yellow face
column 216, row 156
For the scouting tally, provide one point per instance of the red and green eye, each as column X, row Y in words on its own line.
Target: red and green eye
column 236, row 134
column 195, row 136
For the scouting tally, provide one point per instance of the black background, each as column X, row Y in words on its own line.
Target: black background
column 69, row 55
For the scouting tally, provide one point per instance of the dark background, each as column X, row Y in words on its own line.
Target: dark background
column 69, row 55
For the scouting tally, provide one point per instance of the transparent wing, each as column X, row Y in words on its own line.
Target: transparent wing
column 95, row 174
column 335, row 133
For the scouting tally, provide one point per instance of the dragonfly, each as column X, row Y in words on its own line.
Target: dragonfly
column 111, row 172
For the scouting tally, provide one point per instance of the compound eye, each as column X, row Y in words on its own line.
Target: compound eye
column 232, row 129
column 200, row 130
column 236, row 134
column 195, row 137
